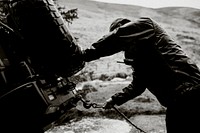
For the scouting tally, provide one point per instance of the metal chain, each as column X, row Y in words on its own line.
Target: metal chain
column 87, row 105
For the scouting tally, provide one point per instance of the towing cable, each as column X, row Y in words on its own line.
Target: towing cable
column 128, row 120
column 88, row 104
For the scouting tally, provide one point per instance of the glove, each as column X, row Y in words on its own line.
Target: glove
column 90, row 54
column 108, row 104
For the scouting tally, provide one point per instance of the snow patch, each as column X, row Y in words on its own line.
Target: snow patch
column 93, row 125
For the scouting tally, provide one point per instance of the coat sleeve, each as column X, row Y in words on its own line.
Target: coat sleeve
column 108, row 45
column 133, row 90
column 120, row 38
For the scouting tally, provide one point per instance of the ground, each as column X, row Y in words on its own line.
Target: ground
column 144, row 111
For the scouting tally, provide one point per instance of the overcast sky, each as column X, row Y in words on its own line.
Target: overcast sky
column 158, row 3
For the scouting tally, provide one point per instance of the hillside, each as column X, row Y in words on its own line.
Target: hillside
column 94, row 19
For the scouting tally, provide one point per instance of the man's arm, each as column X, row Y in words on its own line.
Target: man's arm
column 106, row 46
column 120, row 38
column 133, row 90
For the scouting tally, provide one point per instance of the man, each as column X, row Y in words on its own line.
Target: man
column 159, row 65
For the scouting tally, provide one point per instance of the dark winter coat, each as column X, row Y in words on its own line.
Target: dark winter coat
column 159, row 64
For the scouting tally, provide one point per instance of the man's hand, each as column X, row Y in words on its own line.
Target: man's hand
column 108, row 104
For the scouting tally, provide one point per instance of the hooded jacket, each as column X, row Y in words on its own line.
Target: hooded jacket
column 159, row 64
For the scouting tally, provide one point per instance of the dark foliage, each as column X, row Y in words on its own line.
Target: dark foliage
column 68, row 14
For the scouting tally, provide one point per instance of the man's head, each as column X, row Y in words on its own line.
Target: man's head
column 117, row 23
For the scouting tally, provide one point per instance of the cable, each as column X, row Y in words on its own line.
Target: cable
column 128, row 120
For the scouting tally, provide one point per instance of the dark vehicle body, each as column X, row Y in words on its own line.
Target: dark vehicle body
column 36, row 58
